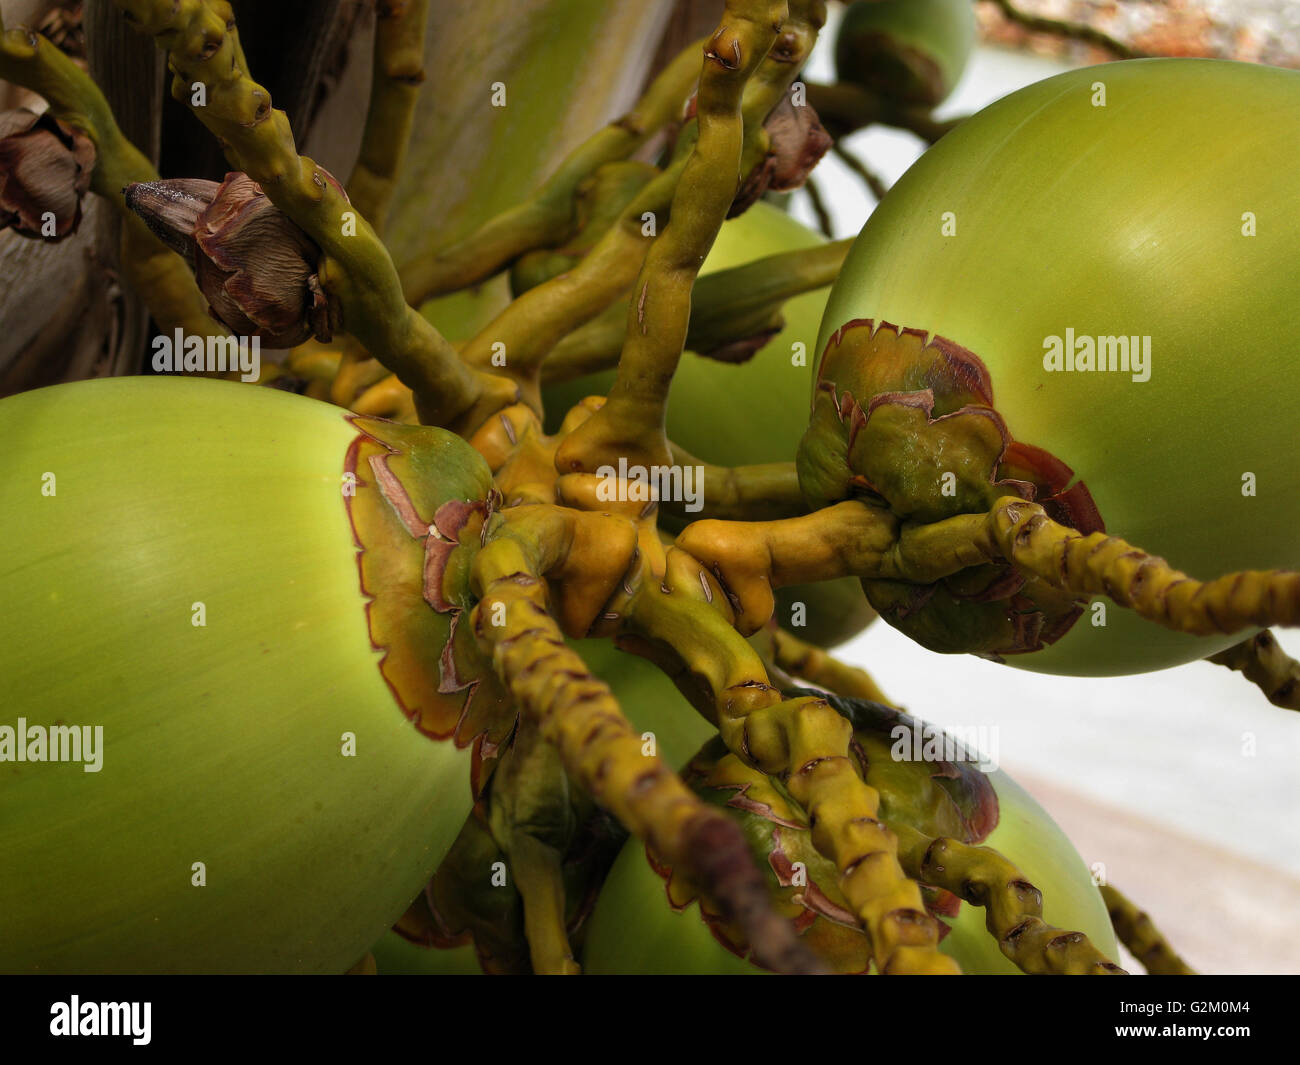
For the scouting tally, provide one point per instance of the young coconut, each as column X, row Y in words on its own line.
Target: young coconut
column 1070, row 299
column 906, row 51
column 239, row 697
column 927, row 782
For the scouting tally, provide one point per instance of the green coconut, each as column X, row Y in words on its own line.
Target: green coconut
column 207, row 577
column 646, row 920
column 907, row 51
column 1143, row 216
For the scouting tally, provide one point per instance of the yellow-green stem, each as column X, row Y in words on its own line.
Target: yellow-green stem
column 396, row 77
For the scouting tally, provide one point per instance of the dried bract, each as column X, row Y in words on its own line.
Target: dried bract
column 256, row 267
column 45, row 170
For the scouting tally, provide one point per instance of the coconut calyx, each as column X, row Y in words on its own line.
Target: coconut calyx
column 463, row 905
column 905, row 419
column 418, row 499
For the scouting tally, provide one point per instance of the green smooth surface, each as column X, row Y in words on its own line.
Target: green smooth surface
column 634, row 930
column 222, row 743
column 1123, row 219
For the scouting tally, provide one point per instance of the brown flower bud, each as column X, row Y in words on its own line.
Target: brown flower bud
column 256, row 267
column 796, row 143
column 45, row 169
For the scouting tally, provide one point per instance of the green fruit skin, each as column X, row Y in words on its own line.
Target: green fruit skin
column 941, row 33
column 633, row 929
column 221, row 744
column 741, row 414
column 1123, row 219
column 833, row 611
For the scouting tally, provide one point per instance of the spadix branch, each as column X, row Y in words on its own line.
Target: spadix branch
column 727, row 307
column 804, row 743
column 808, row 662
column 660, row 309
column 844, row 107
column 396, row 77
column 1262, row 662
column 158, row 275
column 1106, row 565
column 849, row 539
column 528, row 330
column 1141, row 937
column 530, row 327
column 356, row 372
column 856, row 539
column 355, row 270
column 825, row 223
column 762, row 492
column 1013, row 907
column 545, row 219
column 868, row 177
column 388, row 398
column 579, row 714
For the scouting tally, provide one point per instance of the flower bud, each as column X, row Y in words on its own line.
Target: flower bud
column 45, row 169
column 796, row 142
column 256, row 267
